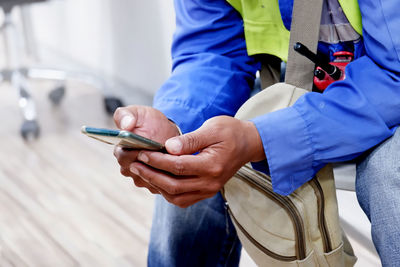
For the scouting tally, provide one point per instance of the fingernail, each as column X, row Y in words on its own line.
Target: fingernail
column 143, row 158
column 134, row 170
column 126, row 122
column 174, row 145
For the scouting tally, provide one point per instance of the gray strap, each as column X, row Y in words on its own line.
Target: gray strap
column 270, row 70
column 306, row 19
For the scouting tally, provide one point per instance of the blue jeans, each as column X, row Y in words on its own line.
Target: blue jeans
column 200, row 235
column 203, row 235
column 378, row 192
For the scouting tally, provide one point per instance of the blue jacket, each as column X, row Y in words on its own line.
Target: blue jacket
column 213, row 75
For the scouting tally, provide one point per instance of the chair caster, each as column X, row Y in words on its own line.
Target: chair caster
column 30, row 129
column 57, row 94
column 111, row 104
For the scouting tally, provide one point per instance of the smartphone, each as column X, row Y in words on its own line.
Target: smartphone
column 122, row 138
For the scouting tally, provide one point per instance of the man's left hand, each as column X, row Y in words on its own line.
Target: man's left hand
column 223, row 144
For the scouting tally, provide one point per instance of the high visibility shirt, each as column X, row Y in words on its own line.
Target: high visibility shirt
column 266, row 23
column 212, row 75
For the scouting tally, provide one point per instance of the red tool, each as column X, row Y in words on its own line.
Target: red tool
column 326, row 73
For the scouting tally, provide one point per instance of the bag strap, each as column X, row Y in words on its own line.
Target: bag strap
column 306, row 19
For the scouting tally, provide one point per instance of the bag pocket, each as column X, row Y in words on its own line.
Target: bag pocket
column 281, row 235
column 335, row 257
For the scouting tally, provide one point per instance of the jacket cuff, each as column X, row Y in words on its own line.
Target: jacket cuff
column 288, row 148
column 181, row 115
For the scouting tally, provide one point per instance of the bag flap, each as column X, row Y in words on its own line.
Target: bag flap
column 275, row 97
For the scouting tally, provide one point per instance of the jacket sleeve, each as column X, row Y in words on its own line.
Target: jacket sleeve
column 350, row 117
column 212, row 73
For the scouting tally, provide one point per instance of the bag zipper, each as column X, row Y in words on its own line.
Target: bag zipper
column 265, row 187
column 256, row 243
column 321, row 215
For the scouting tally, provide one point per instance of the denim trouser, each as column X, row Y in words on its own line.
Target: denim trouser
column 378, row 192
column 200, row 235
column 203, row 235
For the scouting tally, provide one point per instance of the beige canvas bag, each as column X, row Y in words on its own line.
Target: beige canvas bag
column 301, row 229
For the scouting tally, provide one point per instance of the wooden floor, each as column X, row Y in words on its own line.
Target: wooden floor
column 62, row 199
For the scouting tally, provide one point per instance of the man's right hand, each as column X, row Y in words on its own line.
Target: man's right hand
column 145, row 121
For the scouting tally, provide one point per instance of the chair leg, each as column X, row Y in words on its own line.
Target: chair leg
column 30, row 127
column 25, row 98
column 111, row 103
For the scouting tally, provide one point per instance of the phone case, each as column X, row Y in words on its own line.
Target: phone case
column 123, row 138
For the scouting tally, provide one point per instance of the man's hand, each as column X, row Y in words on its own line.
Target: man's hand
column 223, row 145
column 147, row 122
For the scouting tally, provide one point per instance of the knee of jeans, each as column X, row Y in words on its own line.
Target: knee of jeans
column 383, row 163
column 378, row 174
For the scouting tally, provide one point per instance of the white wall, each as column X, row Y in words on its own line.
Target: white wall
column 126, row 39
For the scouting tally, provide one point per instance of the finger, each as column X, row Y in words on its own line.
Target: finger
column 185, row 165
column 125, row 118
column 190, row 143
column 167, row 183
column 139, row 182
column 125, row 157
column 126, row 172
column 153, row 191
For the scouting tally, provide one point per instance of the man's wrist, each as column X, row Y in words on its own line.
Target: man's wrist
column 254, row 142
column 179, row 132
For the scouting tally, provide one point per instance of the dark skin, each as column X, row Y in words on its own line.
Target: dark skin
column 224, row 144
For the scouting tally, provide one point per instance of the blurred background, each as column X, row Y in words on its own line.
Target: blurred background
column 124, row 40
column 68, row 63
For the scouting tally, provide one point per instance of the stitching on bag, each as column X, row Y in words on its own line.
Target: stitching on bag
column 328, row 225
column 306, row 220
column 291, row 97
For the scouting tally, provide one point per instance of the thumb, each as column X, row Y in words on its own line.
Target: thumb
column 188, row 143
column 125, row 118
